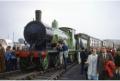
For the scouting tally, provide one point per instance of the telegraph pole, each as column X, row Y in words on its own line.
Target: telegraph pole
column 13, row 38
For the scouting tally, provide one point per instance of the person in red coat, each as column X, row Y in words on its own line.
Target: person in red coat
column 110, row 68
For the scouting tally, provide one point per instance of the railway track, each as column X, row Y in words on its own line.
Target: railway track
column 50, row 74
column 3, row 75
column 14, row 75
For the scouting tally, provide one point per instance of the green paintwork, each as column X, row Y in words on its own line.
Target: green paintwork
column 45, row 62
column 70, row 35
column 58, row 35
column 55, row 39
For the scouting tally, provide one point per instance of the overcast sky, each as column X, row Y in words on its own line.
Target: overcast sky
column 100, row 19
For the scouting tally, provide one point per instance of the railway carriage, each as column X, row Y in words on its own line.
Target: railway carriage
column 82, row 41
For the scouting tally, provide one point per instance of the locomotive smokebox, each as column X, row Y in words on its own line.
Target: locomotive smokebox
column 37, row 34
column 38, row 15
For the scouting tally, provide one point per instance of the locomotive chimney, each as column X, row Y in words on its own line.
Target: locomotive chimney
column 38, row 15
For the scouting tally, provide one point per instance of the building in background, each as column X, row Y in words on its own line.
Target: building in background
column 113, row 43
column 6, row 42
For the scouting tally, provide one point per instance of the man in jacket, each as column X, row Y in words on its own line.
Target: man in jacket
column 65, row 54
column 83, row 57
column 102, row 59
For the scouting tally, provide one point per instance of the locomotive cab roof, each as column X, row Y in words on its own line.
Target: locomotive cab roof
column 67, row 28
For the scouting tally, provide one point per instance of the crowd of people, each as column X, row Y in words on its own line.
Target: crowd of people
column 100, row 64
column 96, row 64
column 8, row 59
